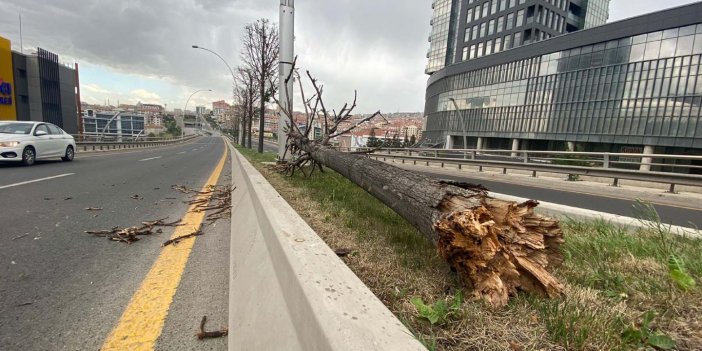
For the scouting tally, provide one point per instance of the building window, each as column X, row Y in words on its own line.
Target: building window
column 510, row 21
column 491, row 27
column 518, row 39
column 465, row 53
column 495, row 6
column 480, row 50
column 482, row 29
column 520, row 18
column 488, row 47
column 500, row 24
column 471, row 53
column 486, row 8
column 503, row 5
column 469, row 15
column 508, row 42
column 498, row 45
column 474, row 32
column 466, row 37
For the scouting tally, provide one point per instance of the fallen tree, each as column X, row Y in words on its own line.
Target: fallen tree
column 497, row 247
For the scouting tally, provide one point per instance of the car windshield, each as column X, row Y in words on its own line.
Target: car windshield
column 15, row 128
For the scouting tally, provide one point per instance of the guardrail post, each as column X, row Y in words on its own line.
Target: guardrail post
column 465, row 155
column 615, row 182
column 472, row 155
column 442, row 165
column 504, row 171
column 414, row 162
column 605, row 163
column 480, row 168
column 436, row 154
column 459, row 166
column 671, row 190
column 533, row 174
column 403, row 161
column 526, row 156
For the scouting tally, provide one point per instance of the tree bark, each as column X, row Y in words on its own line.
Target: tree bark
column 499, row 247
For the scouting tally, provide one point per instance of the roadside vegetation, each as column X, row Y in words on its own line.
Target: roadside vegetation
column 624, row 291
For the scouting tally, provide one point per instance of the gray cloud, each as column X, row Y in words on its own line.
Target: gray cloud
column 377, row 47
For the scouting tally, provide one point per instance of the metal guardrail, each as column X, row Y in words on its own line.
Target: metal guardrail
column 87, row 146
column 116, row 138
column 670, row 169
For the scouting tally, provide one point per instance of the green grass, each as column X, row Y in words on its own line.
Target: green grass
column 613, row 278
column 363, row 213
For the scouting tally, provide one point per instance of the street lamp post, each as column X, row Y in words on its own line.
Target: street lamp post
column 240, row 134
column 463, row 122
column 182, row 132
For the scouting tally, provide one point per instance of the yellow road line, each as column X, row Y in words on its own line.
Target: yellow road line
column 142, row 321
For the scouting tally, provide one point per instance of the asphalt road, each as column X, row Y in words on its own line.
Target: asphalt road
column 267, row 146
column 670, row 215
column 63, row 289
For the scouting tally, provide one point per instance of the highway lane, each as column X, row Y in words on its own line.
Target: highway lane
column 671, row 215
column 62, row 288
column 267, row 146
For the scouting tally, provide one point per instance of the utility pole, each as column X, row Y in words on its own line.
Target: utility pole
column 287, row 54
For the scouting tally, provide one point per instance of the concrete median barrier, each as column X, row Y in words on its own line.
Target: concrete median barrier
column 288, row 290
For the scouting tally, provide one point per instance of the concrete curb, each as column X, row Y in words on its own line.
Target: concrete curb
column 288, row 290
column 562, row 211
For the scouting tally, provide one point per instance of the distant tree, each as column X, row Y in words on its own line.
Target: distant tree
column 413, row 140
column 245, row 94
column 406, row 142
column 373, row 141
column 260, row 57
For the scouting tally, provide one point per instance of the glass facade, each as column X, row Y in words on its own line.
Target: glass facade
column 597, row 13
column 439, row 39
column 486, row 24
column 645, row 89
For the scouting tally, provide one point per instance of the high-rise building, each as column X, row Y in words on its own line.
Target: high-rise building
column 630, row 86
column 467, row 29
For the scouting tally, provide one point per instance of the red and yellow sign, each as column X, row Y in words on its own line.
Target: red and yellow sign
column 8, row 110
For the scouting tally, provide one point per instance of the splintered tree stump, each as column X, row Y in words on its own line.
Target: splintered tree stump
column 497, row 247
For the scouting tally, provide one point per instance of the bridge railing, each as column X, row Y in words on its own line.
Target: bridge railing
column 658, row 168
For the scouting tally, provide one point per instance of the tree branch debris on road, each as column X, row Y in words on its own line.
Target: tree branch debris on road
column 202, row 334
column 216, row 197
column 176, row 240
column 131, row 234
column 93, row 208
column 136, row 197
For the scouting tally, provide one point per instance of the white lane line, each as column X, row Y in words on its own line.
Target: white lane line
column 182, row 152
column 150, row 158
column 36, row 180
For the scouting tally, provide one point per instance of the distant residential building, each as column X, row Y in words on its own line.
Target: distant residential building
column 149, row 108
column 200, row 110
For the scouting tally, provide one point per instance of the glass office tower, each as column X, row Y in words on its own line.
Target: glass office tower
column 467, row 29
column 621, row 87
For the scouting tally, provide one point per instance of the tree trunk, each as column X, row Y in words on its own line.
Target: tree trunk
column 250, row 121
column 499, row 247
column 261, row 121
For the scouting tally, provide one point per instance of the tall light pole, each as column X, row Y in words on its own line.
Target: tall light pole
column 182, row 132
column 241, row 130
column 463, row 122
column 287, row 53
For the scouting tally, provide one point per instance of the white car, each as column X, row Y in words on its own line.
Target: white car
column 27, row 142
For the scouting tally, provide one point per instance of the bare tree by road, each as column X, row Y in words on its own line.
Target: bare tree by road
column 260, row 57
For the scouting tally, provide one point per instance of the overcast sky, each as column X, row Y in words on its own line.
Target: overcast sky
column 140, row 50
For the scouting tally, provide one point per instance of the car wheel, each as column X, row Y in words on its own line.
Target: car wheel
column 28, row 156
column 69, row 154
